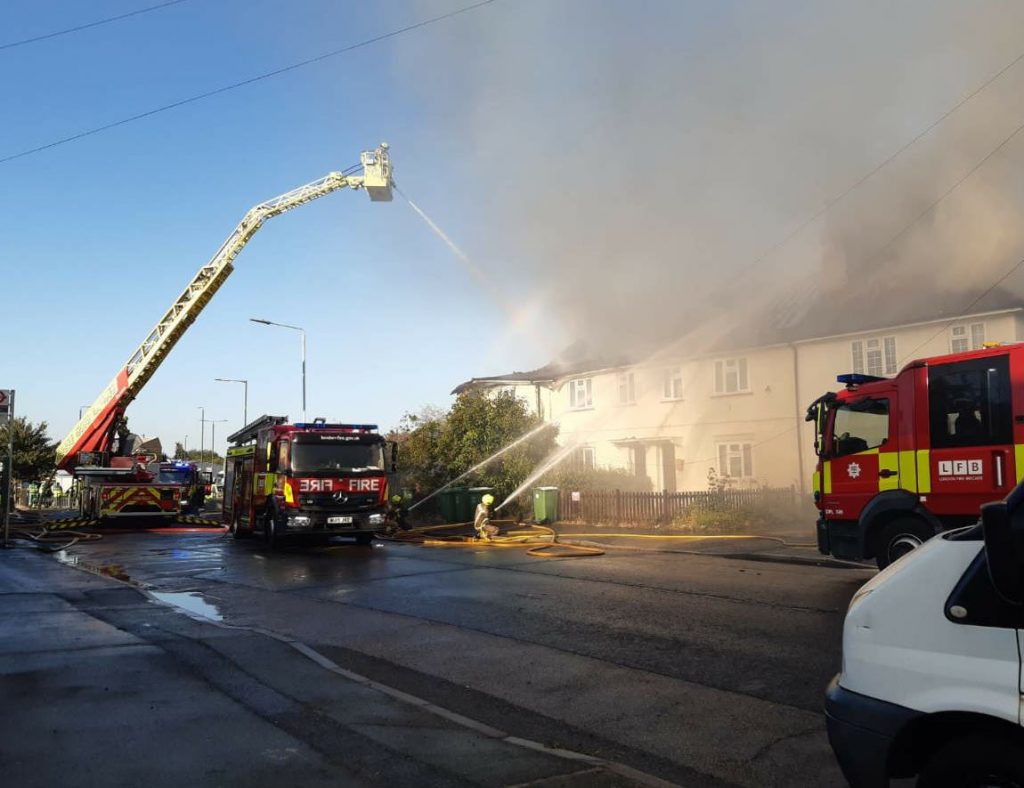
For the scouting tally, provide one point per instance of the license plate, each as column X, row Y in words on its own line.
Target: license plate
column 347, row 520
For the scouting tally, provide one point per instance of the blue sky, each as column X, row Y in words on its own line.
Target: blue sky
column 101, row 235
column 597, row 160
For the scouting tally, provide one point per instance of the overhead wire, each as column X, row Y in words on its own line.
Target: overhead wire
column 251, row 80
column 88, row 25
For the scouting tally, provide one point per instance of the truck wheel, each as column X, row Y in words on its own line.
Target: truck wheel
column 899, row 537
column 975, row 762
column 236, row 527
column 271, row 536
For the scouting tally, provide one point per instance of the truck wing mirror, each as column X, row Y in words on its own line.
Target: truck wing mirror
column 1004, row 547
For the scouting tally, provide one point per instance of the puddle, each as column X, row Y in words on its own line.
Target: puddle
column 190, row 602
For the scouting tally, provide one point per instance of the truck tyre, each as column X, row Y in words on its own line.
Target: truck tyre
column 271, row 535
column 900, row 536
column 976, row 761
column 236, row 527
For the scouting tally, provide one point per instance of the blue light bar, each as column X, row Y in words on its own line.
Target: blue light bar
column 856, row 378
column 322, row 426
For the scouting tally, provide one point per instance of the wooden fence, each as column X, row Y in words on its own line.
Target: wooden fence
column 616, row 506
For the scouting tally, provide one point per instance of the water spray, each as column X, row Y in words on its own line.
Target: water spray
column 484, row 463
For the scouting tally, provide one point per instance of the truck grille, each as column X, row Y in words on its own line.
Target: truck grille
column 351, row 502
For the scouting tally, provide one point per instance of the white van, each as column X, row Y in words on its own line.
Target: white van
column 931, row 675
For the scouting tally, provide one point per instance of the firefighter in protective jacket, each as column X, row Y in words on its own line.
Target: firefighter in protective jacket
column 482, row 520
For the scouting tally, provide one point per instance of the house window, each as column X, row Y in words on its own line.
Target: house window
column 968, row 336
column 875, row 356
column 734, row 460
column 627, row 388
column 673, row 383
column 584, row 457
column 581, row 393
column 731, row 376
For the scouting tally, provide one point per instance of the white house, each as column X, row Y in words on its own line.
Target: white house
column 740, row 410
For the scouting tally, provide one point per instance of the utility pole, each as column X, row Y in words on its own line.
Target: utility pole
column 7, row 417
column 202, row 434
column 213, row 434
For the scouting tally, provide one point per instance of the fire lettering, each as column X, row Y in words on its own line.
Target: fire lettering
column 316, row 485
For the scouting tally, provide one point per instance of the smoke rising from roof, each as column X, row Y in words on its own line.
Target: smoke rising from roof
column 636, row 158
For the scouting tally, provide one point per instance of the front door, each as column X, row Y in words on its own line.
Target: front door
column 863, row 455
column 970, row 425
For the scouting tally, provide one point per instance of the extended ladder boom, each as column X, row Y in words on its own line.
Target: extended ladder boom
column 94, row 432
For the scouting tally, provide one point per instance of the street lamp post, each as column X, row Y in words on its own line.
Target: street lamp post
column 202, row 434
column 213, row 433
column 303, row 332
column 245, row 396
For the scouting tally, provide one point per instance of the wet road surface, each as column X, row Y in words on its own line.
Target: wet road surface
column 698, row 669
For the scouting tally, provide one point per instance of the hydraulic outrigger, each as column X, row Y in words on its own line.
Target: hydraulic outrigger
column 91, row 440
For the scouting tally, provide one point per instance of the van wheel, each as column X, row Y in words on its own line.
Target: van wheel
column 899, row 537
column 976, row 762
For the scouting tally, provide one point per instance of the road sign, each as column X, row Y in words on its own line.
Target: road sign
column 6, row 404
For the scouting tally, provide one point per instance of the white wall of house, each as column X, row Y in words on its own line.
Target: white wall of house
column 740, row 414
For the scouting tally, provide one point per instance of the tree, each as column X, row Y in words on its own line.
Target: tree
column 34, row 452
column 437, row 447
column 179, row 451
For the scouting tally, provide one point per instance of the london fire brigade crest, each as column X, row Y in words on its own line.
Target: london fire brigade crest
column 854, row 470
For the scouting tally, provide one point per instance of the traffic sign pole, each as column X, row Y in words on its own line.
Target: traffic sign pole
column 7, row 415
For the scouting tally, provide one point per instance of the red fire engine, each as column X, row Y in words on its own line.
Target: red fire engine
column 902, row 458
column 126, row 487
column 98, row 450
column 317, row 480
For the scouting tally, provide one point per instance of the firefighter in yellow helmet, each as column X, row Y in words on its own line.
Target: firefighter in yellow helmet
column 482, row 520
column 397, row 513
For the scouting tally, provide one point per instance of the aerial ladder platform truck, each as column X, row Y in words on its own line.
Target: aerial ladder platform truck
column 99, row 449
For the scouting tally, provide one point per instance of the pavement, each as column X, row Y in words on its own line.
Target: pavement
column 105, row 685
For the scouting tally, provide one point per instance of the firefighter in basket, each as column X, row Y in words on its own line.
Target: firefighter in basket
column 482, row 520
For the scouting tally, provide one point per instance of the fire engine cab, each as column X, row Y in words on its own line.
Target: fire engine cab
column 287, row 481
column 902, row 458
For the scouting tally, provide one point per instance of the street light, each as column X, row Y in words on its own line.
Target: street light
column 202, row 433
column 303, row 332
column 213, row 433
column 245, row 396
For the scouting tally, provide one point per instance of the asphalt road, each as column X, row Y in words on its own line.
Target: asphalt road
column 702, row 670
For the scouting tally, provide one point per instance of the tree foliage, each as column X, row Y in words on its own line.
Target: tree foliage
column 34, row 452
column 436, row 447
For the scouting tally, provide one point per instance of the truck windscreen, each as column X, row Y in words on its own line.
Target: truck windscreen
column 173, row 476
column 313, row 457
column 860, row 426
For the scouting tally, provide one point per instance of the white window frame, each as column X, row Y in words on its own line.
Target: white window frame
column 865, row 352
column 735, row 368
column 627, row 388
column 964, row 337
column 581, row 393
column 585, row 457
column 741, row 451
column 672, row 388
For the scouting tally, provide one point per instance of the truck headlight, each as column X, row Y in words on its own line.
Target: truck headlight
column 376, row 519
